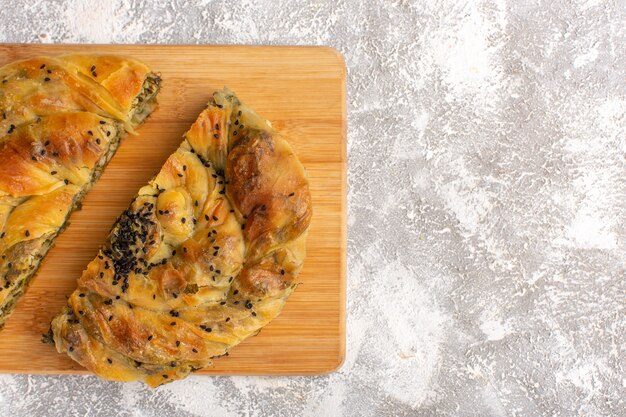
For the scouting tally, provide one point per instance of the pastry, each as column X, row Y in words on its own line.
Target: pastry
column 61, row 120
column 205, row 256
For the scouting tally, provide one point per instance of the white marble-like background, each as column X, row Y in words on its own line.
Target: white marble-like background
column 486, row 206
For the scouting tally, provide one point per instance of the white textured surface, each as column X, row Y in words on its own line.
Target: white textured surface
column 486, row 206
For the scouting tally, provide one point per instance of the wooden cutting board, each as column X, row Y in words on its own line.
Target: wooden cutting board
column 302, row 91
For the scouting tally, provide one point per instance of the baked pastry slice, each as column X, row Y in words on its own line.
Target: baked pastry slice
column 205, row 256
column 61, row 120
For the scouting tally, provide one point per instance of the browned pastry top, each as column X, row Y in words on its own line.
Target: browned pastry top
column 205, row 256
column 60, row 120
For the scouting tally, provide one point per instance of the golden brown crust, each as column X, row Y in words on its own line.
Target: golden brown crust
column 205, row 256
column 58, row 128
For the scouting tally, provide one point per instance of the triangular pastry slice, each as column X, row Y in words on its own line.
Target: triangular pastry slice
column 205, row 256
column 61, row 120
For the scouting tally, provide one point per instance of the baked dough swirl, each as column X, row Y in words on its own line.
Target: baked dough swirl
column 61, row 120
column 205, row 256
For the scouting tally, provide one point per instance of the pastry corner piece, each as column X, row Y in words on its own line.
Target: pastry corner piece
column 205, row 256
column 61, row 120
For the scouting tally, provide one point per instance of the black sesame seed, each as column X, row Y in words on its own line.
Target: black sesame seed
column 93, row 68
column 98, row 141
column 150, row 338
column 206, row 217
column 165, row 376
column 46, row 143
column 215, row 218
column 177, row 343
column 216, row 136
column 184, row 167
column 179, row 175
column 27, row 233
column 95, row 74
column 66, row 181
column 42, row 66
column 227, row 319
column 90, row 133
column 109, row 360
column 173, row 253
column 46, row 79
column 292, row 194
column 102, row 122
column 173, row 323
column 254, row 314
column 235, row 292
column 71, row 349
column 110, row 318
column 282, row 272
column 53, row 172
column 81, row 295
column 194, row 350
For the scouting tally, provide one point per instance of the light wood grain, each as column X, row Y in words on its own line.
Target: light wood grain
column 302, row 91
